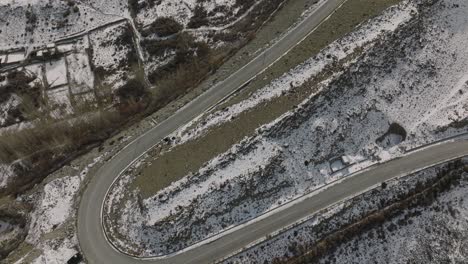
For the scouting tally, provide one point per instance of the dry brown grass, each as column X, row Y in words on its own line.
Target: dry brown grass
column 35, row 152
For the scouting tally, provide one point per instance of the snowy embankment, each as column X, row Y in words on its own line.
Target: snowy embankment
column 437, row 234
column 432, row 234
column 389, row 242
column 49, row 226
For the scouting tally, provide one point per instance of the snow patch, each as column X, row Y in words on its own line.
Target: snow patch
column 54, row 208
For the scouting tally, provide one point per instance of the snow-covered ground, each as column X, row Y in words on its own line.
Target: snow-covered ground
column 55, row 251
column 11, row 102
column 219, row 12
column 53, row 35
column 56, row 72
column 401, row 79
column 54, row 208
column 59, row 101
column 81, row 76
column 366, row 247
column 60, row 75
column 118, row 8
column 27, row 24
column 53, row 74
column 112, row 55
column 433, row 234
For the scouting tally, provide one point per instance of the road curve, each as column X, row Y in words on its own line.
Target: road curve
column 293, row 212
column 90, row 234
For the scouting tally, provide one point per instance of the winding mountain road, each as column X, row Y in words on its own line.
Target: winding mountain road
column 91, row 236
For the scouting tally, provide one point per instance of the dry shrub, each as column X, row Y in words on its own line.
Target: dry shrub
column 163, row 27
column 133, row 90
column 199, row 18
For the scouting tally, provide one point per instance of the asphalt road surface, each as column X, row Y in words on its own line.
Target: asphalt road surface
column 91, row 235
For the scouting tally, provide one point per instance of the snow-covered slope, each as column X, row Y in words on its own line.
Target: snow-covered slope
column 392, row 93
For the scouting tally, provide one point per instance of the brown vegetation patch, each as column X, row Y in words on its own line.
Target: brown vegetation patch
column 163, row 27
